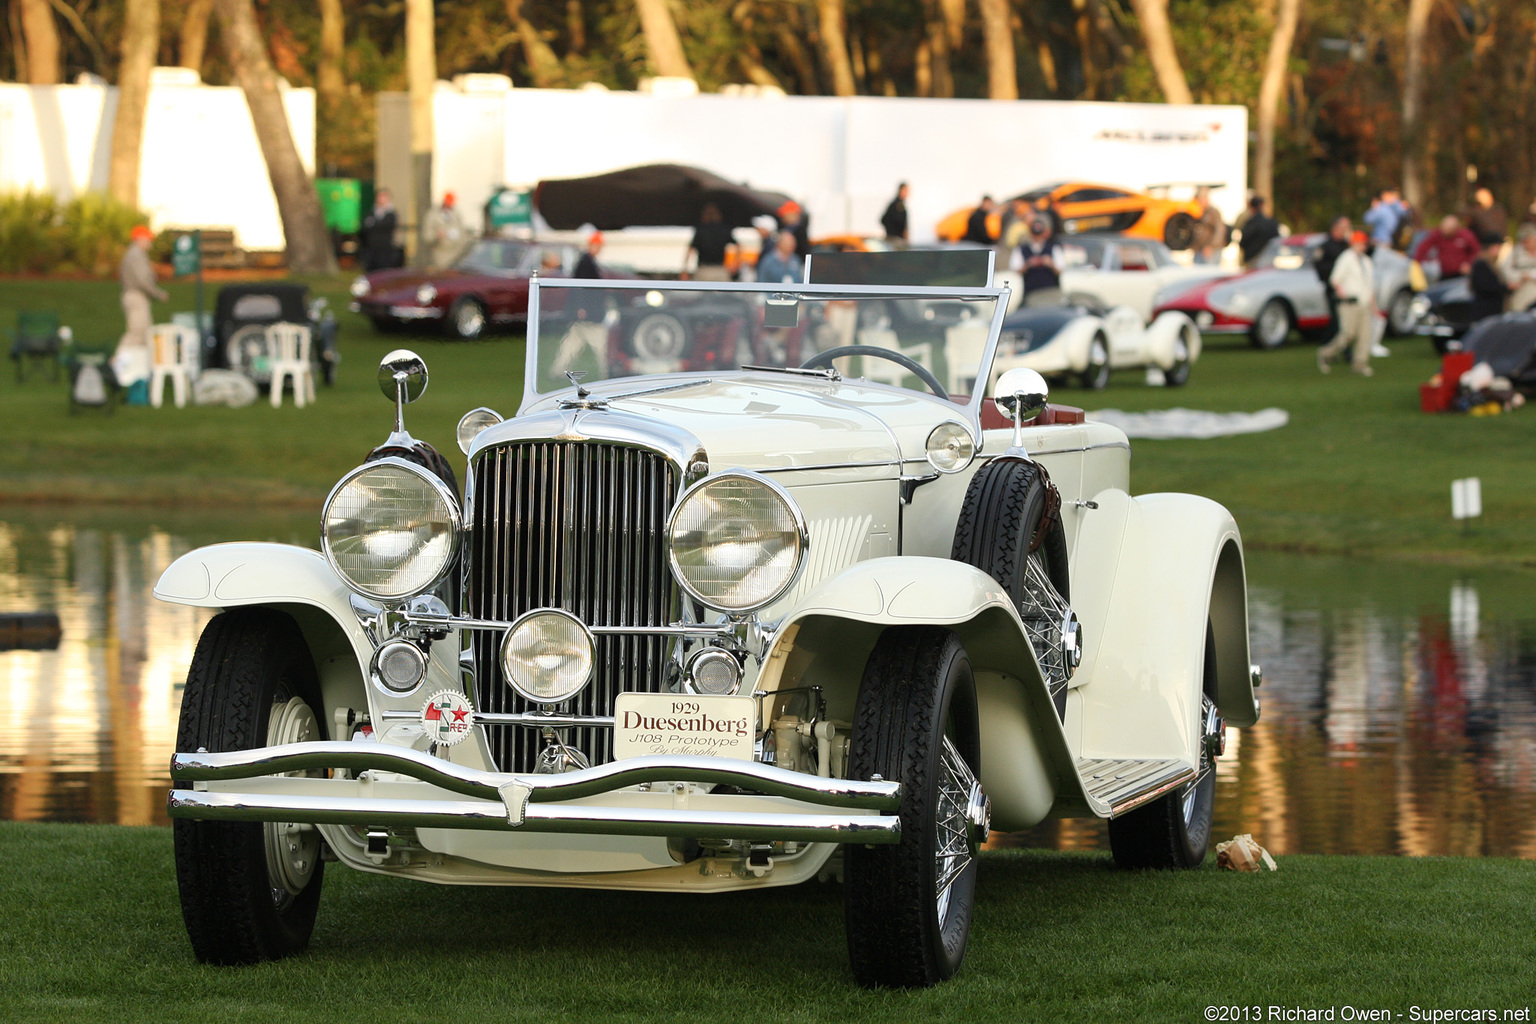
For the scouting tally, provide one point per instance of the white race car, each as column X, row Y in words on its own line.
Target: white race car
column 1085, row 342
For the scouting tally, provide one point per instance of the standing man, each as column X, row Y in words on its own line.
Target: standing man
column 712, row 243
column 976, row 225
column 139, row 287
column 793, row 219
column 378, row 233
column 781, row 265
column 445, row 233
column 1324, row 257
column 1039, row 260
column 1210, row 229
column 586, row 266
column 894, row 220
column 1259, row 229
column 1353, row 281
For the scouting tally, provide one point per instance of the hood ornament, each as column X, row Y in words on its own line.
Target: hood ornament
column 583, row 399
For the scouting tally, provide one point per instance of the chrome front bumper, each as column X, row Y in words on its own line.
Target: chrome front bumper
column 782, row 806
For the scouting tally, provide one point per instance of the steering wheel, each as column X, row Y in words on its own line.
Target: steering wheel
column 906, row 362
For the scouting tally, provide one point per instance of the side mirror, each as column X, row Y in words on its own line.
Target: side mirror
column 1020, row 394
column 402, row 379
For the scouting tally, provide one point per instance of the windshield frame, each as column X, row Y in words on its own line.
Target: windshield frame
column 998, row 295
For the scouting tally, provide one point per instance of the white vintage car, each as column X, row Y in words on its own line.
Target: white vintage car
column 1084, row 343
column 787, row 608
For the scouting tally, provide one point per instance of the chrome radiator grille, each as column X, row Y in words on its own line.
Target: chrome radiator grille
column 579, row 526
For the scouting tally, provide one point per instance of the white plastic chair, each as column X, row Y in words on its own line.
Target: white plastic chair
column 173, row 356
column 290, row 360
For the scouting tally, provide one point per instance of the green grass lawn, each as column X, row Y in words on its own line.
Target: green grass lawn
column 93, row 932
column 1358, row 471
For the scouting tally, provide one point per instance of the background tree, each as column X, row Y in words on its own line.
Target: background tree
column 662, row 42
column 298, row 205
column 1415, row 37
column 1153, row 15
column 1276, row 63
column 140, row 42
column 1002, row 68
column 834, row 46
column 41, row 36
column 421, row 81
column 194, row 33
column 330, row 80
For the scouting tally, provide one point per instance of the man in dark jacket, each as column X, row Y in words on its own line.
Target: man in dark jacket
column 976, row 224
column 1259, row 229
column 378, row 234
column 894, row 220
column 1323, row 259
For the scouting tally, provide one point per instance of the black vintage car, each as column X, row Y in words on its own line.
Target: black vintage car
column 243, row 312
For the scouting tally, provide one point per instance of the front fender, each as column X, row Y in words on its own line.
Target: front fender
column 827, row 638
column 240, row 574
column 1164, row 331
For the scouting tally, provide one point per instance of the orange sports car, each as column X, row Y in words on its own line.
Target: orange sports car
column 1083, row 206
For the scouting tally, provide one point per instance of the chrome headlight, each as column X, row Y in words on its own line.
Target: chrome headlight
column 950, row 447
column 425, row 295
column 547, row 655
column 737, row 541
column 472, row 423
column 390, row 529
column 359, row 287
column 1419, row 307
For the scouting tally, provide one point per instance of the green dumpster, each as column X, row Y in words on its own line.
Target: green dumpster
column 341, row 200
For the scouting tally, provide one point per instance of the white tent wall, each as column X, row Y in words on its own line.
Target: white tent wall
column 201, row 166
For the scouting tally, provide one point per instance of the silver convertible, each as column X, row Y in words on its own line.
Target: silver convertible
column 751, row 590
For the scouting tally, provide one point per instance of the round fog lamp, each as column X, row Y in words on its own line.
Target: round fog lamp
column 400, row 666
column 547, row 655
column 950, row 448
column 473, row 422
column 714, row 672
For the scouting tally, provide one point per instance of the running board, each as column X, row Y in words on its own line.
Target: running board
column 1116, row 786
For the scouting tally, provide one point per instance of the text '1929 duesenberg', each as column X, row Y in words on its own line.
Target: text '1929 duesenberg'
column 752, row 590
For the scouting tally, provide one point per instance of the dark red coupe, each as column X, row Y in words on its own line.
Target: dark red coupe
column 487, row 285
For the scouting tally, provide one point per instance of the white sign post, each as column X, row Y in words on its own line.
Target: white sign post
column 1466, row 500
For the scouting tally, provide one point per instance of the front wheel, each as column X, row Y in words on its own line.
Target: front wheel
column 1177, row 375
column 1272, row 326
column 1096, row 373
column 908, row 907
column 1400, row 318
column 1179, row 232
column 467, row 318
column 249, row 890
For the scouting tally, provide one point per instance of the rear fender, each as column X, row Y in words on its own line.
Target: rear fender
column 827, row 639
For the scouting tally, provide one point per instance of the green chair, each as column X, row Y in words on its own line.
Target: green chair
column 36, row 339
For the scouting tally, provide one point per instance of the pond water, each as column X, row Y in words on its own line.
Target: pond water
column 1399, row 701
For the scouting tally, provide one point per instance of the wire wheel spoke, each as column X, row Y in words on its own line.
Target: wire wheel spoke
column 952, row 851
column 1044, row 611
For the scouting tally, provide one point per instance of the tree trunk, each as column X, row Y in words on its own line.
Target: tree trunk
column 330, row 82
column 939, row 51
column 662, row 43
column 1270, row 86
column 421, row 80
column 1153, row 15
column 1002, row 65
column 576, row 26
column 194, row 34
column 141, row 39
column 954, row 22
column 1413, row 103
column 544, row 68
column 1082, row 28
column 805, row 68
column 834, row 46
column 42, row 42
column 309, row 245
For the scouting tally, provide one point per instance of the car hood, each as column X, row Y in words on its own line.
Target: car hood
column 407, row 279
column 1451, row 289
column 762, row 422
column 1198, row 293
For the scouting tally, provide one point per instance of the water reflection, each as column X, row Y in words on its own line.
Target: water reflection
column 1399, row 703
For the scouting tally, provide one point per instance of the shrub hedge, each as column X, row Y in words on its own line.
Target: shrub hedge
column 41, row 235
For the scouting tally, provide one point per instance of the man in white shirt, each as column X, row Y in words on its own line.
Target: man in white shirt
column 1354, row 282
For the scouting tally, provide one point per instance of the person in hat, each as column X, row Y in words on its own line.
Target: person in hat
column 793, row 219
column 139, row 287
column 445, row 233
column 587, row 266
column 1354, row 282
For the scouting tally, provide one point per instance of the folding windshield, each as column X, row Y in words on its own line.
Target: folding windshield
column 910, row 339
